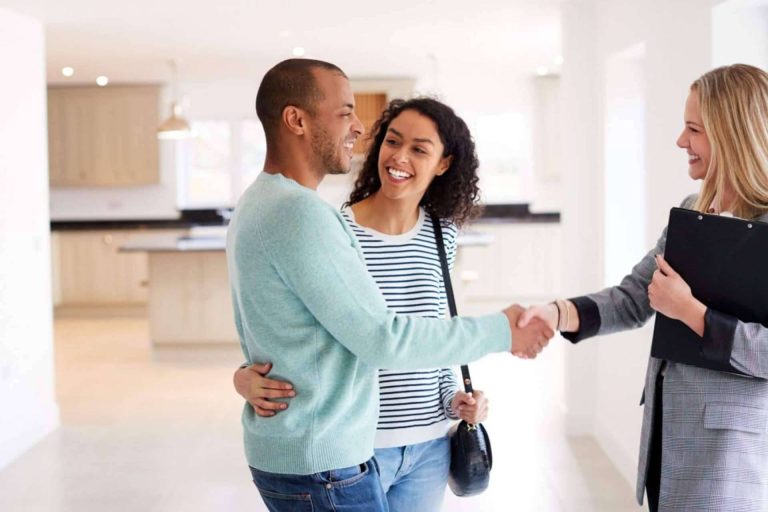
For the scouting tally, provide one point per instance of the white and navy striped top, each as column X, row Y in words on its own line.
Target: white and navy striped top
column 414, row 406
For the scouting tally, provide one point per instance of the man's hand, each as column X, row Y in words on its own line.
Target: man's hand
column 253, row 385
column 527, row 342
column 470, row 407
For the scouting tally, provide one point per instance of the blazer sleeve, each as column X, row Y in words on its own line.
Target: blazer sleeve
column 742, row 344
column 621, row 307
column 625, row 306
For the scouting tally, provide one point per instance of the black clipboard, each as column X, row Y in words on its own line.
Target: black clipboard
column 723, row 260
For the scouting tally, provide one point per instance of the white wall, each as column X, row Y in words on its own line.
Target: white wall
column 624, row 158
column 27, row 398
column 582, row 185
column 606, row 375
column 547, row 145
column 740, row 33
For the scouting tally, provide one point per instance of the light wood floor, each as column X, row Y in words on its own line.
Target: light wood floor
column 158, row 430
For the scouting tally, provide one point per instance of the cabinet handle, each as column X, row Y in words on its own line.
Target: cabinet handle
column 107, row 239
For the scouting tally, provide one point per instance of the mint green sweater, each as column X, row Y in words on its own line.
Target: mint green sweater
column 304, row 300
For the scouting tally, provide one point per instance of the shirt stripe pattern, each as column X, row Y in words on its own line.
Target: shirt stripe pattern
column 407, row 270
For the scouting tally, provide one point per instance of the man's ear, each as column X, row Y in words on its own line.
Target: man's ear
column 295, row 119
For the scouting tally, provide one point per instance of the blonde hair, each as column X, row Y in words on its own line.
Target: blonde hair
column 734, row 109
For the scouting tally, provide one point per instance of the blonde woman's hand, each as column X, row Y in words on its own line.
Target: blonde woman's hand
column 671, row 296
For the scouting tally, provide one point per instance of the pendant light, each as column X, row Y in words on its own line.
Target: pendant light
column 175, row 126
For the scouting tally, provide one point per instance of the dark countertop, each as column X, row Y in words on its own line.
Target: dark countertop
column 494, row 213
column 186, row 219
column 516, row 213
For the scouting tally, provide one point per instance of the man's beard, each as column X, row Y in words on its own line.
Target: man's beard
column 326, row 152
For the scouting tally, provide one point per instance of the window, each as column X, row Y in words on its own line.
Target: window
column 224, row 157
column 253, row 150
column 504, row 148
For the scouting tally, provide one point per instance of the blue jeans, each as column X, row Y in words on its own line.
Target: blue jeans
column 414, row 476
column 355, row 488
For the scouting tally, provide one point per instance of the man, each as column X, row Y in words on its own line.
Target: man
column 304, row 300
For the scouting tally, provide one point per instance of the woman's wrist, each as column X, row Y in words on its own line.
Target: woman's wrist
column 559, row 314
column 695, row 313
column 571, row 320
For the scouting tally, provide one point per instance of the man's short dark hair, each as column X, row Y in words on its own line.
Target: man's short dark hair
column 290, row 82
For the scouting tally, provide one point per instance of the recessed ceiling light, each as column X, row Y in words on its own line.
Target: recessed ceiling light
column 102, row 81
column 559, row 60
column 542, row 70
column 298, row 51
column 67, row 71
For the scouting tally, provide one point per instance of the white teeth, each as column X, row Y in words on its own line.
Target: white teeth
column 397, row 173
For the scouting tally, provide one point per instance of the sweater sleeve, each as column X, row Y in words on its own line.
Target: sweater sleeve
column 319, row 260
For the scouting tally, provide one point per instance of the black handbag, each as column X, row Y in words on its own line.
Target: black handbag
column 471, row 456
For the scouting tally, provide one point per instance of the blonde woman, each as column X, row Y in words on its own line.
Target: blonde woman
column 704, row 443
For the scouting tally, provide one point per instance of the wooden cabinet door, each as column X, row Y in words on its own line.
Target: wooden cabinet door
column 93, row 272
column 368, row 107
column 103, row 136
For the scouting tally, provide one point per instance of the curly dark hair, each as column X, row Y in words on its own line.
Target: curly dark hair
column 453, row 196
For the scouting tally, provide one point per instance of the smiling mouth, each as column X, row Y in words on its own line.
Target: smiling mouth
column 692, row 159
column 398, row 174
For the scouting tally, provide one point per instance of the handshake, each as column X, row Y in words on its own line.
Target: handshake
column 531, row 328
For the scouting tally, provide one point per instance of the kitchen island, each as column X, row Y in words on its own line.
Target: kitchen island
column 189, row 297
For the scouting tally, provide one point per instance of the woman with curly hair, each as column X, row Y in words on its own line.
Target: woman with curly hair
column 421, row 165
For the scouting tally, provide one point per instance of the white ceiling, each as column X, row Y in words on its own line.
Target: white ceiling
column 134, row 40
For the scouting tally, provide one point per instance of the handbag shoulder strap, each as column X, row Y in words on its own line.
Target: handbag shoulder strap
column 449, row 289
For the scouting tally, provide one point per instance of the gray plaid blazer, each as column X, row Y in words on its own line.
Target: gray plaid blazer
column 714, row 431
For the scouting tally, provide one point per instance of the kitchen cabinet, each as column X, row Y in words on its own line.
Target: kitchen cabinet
column 103, row 136
column 368, row 108
column 89, row 270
